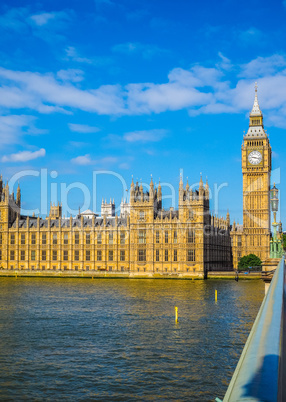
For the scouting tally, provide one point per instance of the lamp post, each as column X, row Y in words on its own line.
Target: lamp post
column 275, row 244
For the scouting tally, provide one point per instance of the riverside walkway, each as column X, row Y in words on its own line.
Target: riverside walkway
column 260, row 374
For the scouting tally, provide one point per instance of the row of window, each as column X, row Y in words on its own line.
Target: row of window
column 141, row 255
column 141, row 237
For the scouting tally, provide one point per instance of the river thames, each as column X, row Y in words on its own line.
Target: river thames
column 117, row 340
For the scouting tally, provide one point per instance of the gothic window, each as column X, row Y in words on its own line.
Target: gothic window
column 44, row 255
column 12, row 255
column 141, row 255
column 191, row 236
column 141, row 215
column 23, row 255
column 33, row 255
column 23, row 238
column 111, row 238
column 87, row 255
column 122, row 255
column 99, row 238
column 55, row 238
column 76, row 255
column 166, row 255
column 33, row 238
column 66, row 238
column 122, row 237
column 76, row 238
column 175, row 255
column 55, row 255
column 110, row 255
column 191, row 255
column 99, row 255
column 44, row 238
column 66, row 255
column 142, row 236
column 157, row 236
column 12, row 239
column 166, row 237
column 87, row 238
column 175, row 237
column 157, row 255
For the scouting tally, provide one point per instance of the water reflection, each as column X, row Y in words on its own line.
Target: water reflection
column 117, row 339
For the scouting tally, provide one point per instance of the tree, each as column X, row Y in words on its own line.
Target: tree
column 250, row 260
column 284, row 241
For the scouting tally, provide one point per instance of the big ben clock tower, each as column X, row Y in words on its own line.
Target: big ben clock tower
column 256, row 168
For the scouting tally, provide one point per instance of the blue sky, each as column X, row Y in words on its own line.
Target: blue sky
column 138, row 88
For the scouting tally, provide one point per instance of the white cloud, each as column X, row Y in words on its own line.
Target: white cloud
column 84, row 160
column 251, row 35
column 73, row 55
column 24, row 156
column 12, row 127
column 200, row 90
column 44, row 93
column 145, row 50
column 262, row 66
column 43, row 18
column 83, row 128
column 71, row 74
column 15, row 19
column 145, row 135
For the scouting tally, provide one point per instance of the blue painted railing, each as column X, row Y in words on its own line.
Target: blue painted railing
column 260, row 373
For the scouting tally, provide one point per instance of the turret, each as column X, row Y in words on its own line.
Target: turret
column 132, row 189
column 181, row 190
column 201, row 188
column 18, row 197
column 159, row 193
column 207, row 190
column 55, row 211
column 228, row 219
column 108, row 209
column 151, row 189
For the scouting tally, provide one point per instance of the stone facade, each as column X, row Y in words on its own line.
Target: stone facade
column 145, row 240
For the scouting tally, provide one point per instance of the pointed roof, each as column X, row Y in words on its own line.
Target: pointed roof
column 256, row 109
column 88, row 212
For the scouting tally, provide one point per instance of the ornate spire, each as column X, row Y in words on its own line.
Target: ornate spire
column 256, row 109
column 181, row 182
column 187, row 186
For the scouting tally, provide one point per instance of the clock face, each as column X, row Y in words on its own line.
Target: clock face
column 255, row 157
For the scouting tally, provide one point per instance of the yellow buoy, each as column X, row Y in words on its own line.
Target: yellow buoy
column 176, row 314
column 215, row 295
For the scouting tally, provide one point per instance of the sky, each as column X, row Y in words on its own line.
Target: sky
column 94, row 92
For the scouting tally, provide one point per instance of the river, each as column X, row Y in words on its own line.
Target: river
column 117, row 339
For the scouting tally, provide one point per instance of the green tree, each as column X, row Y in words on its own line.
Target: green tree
column 284, row 241
column 250, row 260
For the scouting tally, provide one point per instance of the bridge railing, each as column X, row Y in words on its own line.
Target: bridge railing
column 261, row 370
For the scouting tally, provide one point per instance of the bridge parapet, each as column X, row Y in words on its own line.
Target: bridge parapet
column 261, row 370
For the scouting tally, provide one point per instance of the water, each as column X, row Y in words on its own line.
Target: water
column 117, row 340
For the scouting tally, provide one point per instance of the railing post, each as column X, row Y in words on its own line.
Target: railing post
column 282, row 362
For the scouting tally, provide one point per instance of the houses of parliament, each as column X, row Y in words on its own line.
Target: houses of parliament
column 145, row 240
